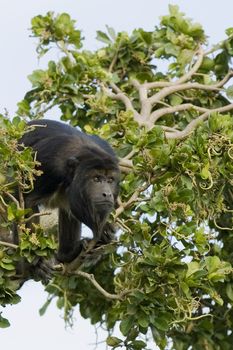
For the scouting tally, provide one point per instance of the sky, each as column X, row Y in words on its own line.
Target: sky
column 17, row 60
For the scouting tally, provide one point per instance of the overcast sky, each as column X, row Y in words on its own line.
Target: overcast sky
column 17, row 60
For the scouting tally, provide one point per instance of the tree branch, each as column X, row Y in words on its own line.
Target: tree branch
column 163, row 111
column 129, row 155
column 126, row 164
column 148, row 117
column 192, row 125
column 169, row 129
column 168, row 88
column 194, row 69
column 165, row 84
column 121, row 96
column 132, row 199
column 143, row 98
column 175, row 88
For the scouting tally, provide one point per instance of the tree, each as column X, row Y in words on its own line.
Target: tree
column 162, row 99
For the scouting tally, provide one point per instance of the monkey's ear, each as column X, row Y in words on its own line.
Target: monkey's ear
column 72, row 162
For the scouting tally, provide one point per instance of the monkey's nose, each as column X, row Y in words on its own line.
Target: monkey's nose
column 107, row 195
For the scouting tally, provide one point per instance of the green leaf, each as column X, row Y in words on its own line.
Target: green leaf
column 113, row 341
column 10, row 213
column 60, row 303
column 205, row 173
column 4, row 323
column 101, row 36
column 146, row 37
column 216, row 297
column 229, row 92
column 37, row 77
column 43, row 309
column 212, row 263
column 126, row 324
column 207, row 64
column 185, row 288
column 8, row 267
column 7, row 260
column 111, row 32
column 175, row 100
column 63, row 23
column 143, row 320
column 171, row 49
column 229, row 291
column 193, row 267
column 138, row 344
column 161, row 324
column 229, row 31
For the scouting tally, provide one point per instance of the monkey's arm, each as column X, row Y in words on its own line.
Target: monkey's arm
column 70, row 244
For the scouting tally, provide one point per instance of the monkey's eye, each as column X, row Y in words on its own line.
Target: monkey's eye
column 97, row 178
column 110, row 179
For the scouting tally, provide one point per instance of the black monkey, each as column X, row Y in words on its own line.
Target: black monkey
column 80, row 178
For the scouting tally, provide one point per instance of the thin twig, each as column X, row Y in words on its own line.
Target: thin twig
column 13, row 199
column 10, row 245
column 165, row 84
column 218, row 46
column 36, row 215
column 92, row 279
column 21, row 198
column 115, row 57
column 2, row 211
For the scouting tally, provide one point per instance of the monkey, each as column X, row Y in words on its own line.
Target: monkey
column 80, row 176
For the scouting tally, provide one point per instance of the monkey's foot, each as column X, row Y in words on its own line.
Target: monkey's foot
column 42, row 270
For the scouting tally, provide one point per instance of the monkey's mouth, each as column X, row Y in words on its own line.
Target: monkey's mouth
column 104, row 203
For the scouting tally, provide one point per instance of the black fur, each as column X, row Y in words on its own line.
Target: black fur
column 80, row 177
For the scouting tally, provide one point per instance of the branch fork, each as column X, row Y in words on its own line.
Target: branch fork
column 151, row 97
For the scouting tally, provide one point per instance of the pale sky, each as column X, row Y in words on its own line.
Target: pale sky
column 17, row 60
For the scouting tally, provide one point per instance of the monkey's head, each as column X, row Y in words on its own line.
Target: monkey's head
column 94, row 187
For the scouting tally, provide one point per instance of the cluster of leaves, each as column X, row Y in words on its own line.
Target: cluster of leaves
column 55, row 29
column 18, row 171
column 175, row 218
column 14, row 166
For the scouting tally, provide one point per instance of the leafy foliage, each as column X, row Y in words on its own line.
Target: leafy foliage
column 170, row 272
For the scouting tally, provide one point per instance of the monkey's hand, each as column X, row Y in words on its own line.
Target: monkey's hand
column 108, row 233
column 39, row 270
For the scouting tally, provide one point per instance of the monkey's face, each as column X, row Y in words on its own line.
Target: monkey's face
column 93, row 196
column 101, row 188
